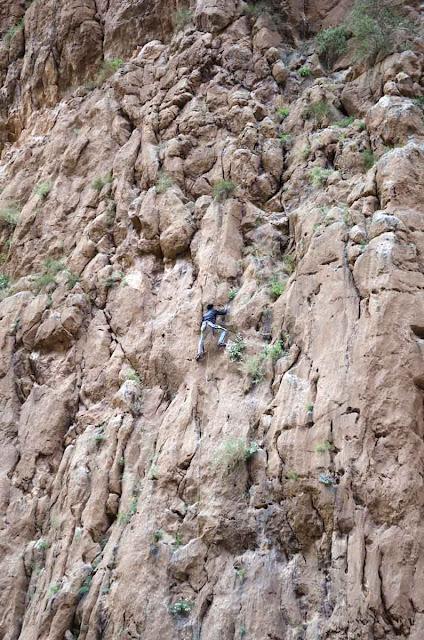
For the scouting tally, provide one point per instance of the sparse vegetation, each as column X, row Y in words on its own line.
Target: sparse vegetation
column 292, row 475
column 12, row 31
column 233, row 453
column 319, row 176
column 223, row 189
column 4, row 281
column 48, row 276
column 305, row 152
column 178, row 542
column 319, row 112
column 276, row 287
column 85, row 587
column 99, row 436
column 305, row 72
column 255, row 368
column 41, row 545
column 285, row 138
column 182, row 17
column 181, row 608
column 113, row 279
column 157, row 536
column 241, row 573
column 344, row 122
column 107, row 69
column 133, row 375
column 256, row 9
column 101, row 181
column 332, row 43
column 326, row 479
column 43, row 189
column 274, row 351
column 283, row 112
column 289, row 264
column 361, row 125
column 53, row 589
column 236, row 350
column 9, row 215
column 368, row 159
column 323, row 447
column 309, row 407
column 232, row 294
column 163, row 183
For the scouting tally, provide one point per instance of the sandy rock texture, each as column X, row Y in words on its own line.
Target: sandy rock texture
column 155, row 157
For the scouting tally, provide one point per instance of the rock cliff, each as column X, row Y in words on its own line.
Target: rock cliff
column 155, row 157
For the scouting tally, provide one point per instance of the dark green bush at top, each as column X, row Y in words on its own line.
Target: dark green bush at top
column 332, row 43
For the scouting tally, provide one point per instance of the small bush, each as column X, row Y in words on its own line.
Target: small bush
column 260, row 8
column 163, row 183
column 319, row 111
column 223, row 189
column 283, row 112
column 9, row 215
column 275, row 351
column 361, row 125
column 48, row 277
column 236, row 350
column 305, row 72
column 305, row 152
column 43, row 189
column 277, row 288
column 182, row 18
column 241, row 573
column 233, row 453
column 419, row 101
column 178, row 542
column 181, row 608
column 285, row 138
column 12, row 31
column 157, row 536
column 41, row 545
column 133, row 506
column 368, row 159
column 101, row 181
column 255, row 368
column 309, row 407
column 232, row 294
column 318, row 176
column 326, row 479
column 289, row 264
column 332, row 43
column 107, row 69
column 292, row 475
column 85, row 587
column 133, row 375
column 4, row 281
column 344, row 122
column 323, row 447
column 113, row 279
column 53, row 589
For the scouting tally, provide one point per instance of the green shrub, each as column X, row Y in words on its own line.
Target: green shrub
column 323, row 447
column 223, row 189
column 377, row 26
column 236, row 350
column 277, row 288
column 233, row 453
column 289, row 264
column 292, row 475
column 178, row 542
column 275, row 351
column 232, row 294
column 332, row 43
column 41, row 545
column 241, row 573
column 344, row 122
column 113, row 279
column 12, row 31
column 182, row 17
column 305, row 72
column 163, row 183
column 53, row 589
column 181, row 608
column 368, row 159
column 157, row 536
column 326, row 479
column 48, row 276
column 4, row 281
column 72, row 279
column 309, row 407
column 133, row 375
column 285, row 138
column 283, row 112
column 419, row 101
column 255, row 368
column 101, row 181
column 85, row 587
column 319, row 176
column 319, row 111
column 133, row 506
column 305, row 152
column 43, row 189
column 106, row 70
column 9, row 215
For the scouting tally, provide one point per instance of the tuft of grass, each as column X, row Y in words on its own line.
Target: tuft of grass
column 319, row 176
column 274, row 351
column 9, row 215
column 182, row 17
column 319, row 112
column 254, row 367
column 283, row 112
column 181, row 608
column 236, row 350
column 285, row 138
column 232, row 294
column 48, row 276
column 305, row 72
column 157, row 536
column 344, row 122
column 12, row 31
column 101, row 181
column 223, row 189
column 305, row 152
column 332, row 43
column 133, row 375
column 361, row 125
column 368, row 159
column 178, row 542
column 41, row 545
column 276, row 287
column 309, row 407
column 323, row 447
column 85, row 587
column 419, row 101
column 112, row 280
column 289, row 264
column 43, row 189
column 4, row 281
column 71, row 279
column 53, row 589
column 107, row 69
column 292, row 475
column 241, row 573
column 163, row 183
column 233, row 453
column 326, row 479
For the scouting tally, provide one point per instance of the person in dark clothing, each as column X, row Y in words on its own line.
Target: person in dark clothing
column 209, row 324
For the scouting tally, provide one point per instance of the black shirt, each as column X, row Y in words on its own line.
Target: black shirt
column 211, row 315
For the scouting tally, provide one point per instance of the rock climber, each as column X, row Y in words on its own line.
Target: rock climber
column 209, row 324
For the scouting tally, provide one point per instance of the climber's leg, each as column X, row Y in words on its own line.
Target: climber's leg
column 201, row 346
column 222, row 337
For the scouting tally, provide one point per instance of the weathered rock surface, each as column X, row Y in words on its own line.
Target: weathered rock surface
column 130, row 200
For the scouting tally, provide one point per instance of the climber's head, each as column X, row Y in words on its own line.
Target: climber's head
column 209, row 307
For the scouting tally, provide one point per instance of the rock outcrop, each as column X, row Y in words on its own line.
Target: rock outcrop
column 273, row 490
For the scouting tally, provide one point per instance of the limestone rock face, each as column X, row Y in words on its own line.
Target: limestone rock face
column 155, row 157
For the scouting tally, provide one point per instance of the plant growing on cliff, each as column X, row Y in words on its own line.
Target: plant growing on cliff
column 43, row 189
column 274, row 351
column 344, row 122
column 53, row 589
column 323, row 447
column 305, row 72
column 236, row 350
column 48, row 276
column 182, row 17
column 256, row 9
column 181, row 608
column 71, row 279
column 319, row 176
column 12, row 31
column 285, row 138
column 368, row 159
column 283, row 112
column 233, row 453
column 276, row 288
column 101, row 181
column 332, row 43
column 232, row 294
column 255, row 368
column 289, row 264
column 319, row 112
column 163, row 183
column 223, row 189
column 4, row 281
column 133, row 376
column 85, row 587
column 9, row 215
